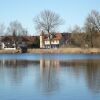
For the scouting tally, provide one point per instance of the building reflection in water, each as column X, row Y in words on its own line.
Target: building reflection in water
column 49, row 75
column 14, row 71
column 47, row 72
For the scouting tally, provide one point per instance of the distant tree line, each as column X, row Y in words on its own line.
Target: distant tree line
column 86, row 36
column 48, row 21
column 89, row 34
column 14, row 28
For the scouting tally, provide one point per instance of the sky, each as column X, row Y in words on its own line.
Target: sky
column 71, row 11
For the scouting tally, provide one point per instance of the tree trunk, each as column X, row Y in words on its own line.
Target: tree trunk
column 50, row 39
column 91, row 40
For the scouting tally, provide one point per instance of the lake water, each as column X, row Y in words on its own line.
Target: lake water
column 49, row 77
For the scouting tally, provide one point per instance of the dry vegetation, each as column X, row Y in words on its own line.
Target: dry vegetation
column 66, row 50
column 9, row 51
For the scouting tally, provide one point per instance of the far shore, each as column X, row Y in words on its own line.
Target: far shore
column 56, row 51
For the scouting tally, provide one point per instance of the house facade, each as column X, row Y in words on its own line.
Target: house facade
column 56, row 39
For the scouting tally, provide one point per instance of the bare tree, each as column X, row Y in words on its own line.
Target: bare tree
column 15, row 28
column 2, row 29
column 47, row 21
column 92, row 25
column 93, row 21
column 75, row 29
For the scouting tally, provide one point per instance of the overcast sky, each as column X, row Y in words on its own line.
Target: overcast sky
column 72, row 11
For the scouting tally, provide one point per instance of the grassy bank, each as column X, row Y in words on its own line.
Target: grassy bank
column 59, row 50
column 67, row 50
column 8, row 51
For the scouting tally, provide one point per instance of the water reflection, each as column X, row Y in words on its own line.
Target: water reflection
column 48, row 73
column 93, row 75
column 14, row 71
column 89, row 68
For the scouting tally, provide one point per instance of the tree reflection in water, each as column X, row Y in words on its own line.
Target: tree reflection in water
column 14, row 71
column 93, row 75
column 90, row 68
column 48, row 76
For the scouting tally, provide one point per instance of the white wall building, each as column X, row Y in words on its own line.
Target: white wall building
column 56, row 40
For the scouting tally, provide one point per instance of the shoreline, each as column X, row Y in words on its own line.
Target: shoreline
column 56, row 51
column 8, row 51
column 66, row 51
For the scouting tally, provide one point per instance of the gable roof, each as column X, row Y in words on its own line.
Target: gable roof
column 54, row 36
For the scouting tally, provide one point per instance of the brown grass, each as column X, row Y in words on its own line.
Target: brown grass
column 66, row 50
column 58, row 50
column 8, row 51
